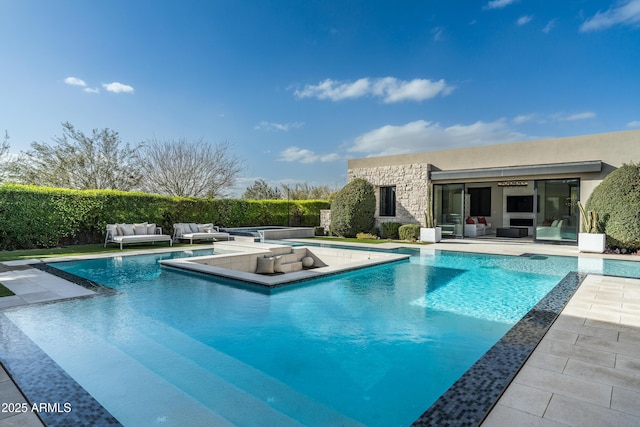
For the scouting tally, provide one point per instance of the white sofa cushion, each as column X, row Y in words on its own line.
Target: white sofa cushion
column 125, row 229
column 140, row 229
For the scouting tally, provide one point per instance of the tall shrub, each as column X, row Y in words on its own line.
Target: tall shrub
column 617, row 202
column 353, row 209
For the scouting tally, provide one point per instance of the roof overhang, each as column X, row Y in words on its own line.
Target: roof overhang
column 514, row 171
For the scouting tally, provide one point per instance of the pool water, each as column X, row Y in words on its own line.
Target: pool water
column 375, row 346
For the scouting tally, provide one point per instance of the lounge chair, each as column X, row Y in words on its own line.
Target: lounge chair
column 135, row 233
column 193, row 231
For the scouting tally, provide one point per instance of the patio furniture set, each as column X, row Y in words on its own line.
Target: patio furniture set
column 151, row 233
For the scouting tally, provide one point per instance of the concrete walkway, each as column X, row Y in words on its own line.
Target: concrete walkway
column 29, row 286
column 586, row 370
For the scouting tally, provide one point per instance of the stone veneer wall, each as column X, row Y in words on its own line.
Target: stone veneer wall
column 411, row 189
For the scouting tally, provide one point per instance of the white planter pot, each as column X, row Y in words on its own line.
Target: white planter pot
column 430, row 235
column 592, row 242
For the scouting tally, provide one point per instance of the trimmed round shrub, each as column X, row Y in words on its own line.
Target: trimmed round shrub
column 409, row 232
column 389, row 230
column 353, row 209
column 617, row 203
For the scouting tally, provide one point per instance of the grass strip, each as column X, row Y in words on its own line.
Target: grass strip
column 80, row 250
column 4, row 292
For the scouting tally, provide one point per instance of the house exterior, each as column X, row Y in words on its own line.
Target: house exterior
column 533, row 185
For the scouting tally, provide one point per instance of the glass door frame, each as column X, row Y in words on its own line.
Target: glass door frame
column 557, row 218
column 448, row 209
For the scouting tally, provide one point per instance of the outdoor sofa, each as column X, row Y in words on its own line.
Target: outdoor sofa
column 135, row 233
column 476, row 226
column 192, row 231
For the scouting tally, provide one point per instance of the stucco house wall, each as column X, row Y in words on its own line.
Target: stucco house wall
column 410, row 172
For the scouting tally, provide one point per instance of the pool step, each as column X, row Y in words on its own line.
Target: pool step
column 212, row 387
column 291, row 266
column 293, row 260
column 133, row 391
column 280, row 396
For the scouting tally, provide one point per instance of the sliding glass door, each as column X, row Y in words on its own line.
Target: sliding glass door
column 557, row 210
column 448, row 203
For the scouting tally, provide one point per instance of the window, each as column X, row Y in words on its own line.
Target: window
column 388, row 201
column 480, row 199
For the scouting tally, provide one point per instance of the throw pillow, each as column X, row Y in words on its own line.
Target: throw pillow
column 205, row 228
column 470, row 220
column 265, row 265
column 193, row 227
column 482, row 220
column 140, row 228
column 277, row 264
column 125, row 229
column 151, row 229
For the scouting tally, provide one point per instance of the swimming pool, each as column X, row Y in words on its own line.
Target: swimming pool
column 375, row 346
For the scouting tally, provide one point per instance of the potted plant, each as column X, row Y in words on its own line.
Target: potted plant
column 430, row 232
column 590, row 239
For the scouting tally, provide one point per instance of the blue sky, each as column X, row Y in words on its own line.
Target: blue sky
column 298, row 87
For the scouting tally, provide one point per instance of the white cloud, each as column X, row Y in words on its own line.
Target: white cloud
column 117, row 87
column 498, row 4
column 624, row 13
column 547, row 28
column 523, row 118
column 300, row 155
column 335, row 91
column 523, row 20
column 264, row 125
column 438, row 33
column 388, row 88
column 91, row 90
column 426, row 136
column 634, row 124
column 74, row 81
column 579, row 116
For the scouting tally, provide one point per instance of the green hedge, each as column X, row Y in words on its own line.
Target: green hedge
column 35, row 217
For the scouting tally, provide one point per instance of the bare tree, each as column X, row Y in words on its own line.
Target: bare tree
column 4, row 157
column 97, row 161
column 188, row 168
column 304, row 191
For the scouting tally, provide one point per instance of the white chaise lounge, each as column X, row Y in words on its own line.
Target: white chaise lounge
column 135, row 233
column 193, row 231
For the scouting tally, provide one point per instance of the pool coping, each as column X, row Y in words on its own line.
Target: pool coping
column 473, row 395
column 366, row 259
